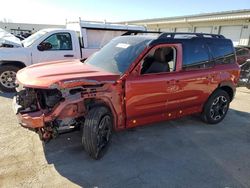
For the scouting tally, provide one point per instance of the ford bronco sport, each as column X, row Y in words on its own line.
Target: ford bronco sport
column 132, row 81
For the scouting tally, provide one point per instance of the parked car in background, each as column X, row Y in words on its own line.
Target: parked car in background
column 7, row 40
column 245, row 74
column 78, row 41
column 242, row 54
column 23, row 35
column 243, row 59
column 19, row 37
column 131, row 81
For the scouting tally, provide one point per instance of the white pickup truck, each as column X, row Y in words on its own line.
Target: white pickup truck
column 78, row 41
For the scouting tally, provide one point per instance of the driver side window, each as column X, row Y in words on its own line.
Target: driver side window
column 159, row 60
column 59, row 41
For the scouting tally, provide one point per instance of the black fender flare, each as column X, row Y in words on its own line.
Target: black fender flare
column 18, row 64
column 229, row 87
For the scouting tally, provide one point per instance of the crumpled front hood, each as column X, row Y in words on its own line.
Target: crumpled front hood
column 63, row 74
column 12, row 44
column 7, row 38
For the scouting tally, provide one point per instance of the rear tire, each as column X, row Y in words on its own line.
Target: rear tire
column 8, row 78
column 216, row 107
column 97, row 131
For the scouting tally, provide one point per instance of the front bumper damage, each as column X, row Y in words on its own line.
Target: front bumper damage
column 31, row 120
column 46, row 123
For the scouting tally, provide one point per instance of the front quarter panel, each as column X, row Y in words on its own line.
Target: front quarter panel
column 15, row 54
column 110, row 95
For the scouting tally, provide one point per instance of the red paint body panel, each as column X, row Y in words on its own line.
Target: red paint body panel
column 148, row 96
column 134, row 99
column 163, row 96
column 43, row 75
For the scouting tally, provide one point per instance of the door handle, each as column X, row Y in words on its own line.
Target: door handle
column 68, row 55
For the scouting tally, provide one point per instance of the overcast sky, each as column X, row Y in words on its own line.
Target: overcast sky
column 57, row 11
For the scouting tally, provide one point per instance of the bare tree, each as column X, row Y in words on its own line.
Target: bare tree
column 6, row 20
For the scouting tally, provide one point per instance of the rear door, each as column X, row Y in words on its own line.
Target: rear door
column 194, row 80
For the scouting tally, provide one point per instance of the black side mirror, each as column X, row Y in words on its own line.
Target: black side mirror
column 44, row 46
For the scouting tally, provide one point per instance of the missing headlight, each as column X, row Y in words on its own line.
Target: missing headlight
column 49, row 98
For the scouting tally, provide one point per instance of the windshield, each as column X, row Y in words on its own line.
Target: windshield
column 31, row 39
column 118, row 54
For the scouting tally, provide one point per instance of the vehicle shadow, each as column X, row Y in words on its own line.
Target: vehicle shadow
column 7, row 95
column 149, row 156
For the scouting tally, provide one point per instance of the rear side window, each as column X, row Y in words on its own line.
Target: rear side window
column 222, row 51
column 196, row 55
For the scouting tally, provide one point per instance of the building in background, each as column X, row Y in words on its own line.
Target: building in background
column 232, row 24
column 22, row 28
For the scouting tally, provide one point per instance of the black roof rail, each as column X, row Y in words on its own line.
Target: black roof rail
column 139, row 31
column 200, row 35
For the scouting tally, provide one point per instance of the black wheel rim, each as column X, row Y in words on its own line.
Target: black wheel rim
column 219, row 108
column 104, row 133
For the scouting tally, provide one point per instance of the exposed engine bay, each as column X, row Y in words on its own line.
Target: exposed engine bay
column 46, row 101
column 35, row 99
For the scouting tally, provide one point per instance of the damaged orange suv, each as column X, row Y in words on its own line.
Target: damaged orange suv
column 132, row 81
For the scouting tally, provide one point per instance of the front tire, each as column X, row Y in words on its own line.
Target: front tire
column 216, row 107
column 97, row 131
column 8, row 78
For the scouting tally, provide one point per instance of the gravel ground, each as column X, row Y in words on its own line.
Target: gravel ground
column 180, row 153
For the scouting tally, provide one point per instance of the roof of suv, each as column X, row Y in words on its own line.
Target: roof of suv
column 162, row 38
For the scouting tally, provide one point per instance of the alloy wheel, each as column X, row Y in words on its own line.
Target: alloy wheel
column 104, row 132
column 7, row 79
column 219, row 108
